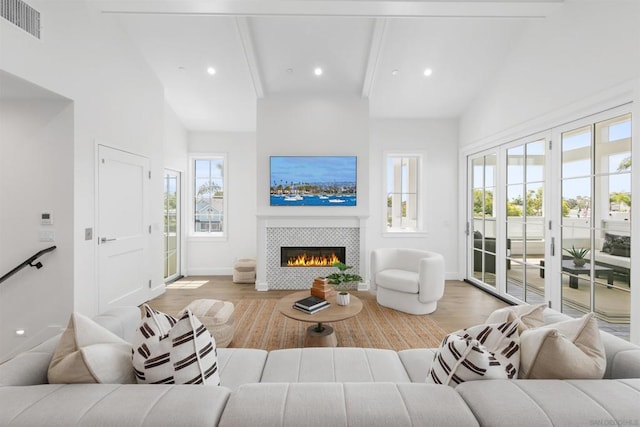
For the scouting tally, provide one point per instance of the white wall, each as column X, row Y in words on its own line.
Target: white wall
column 439, row 140
column 85, row 56
column 207, row 255
column 313, row 125
column 585, row 48
column 176, row 157
column 36, row 175
column 310, row 125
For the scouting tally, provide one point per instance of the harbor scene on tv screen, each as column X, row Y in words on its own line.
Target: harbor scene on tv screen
column 313, row 180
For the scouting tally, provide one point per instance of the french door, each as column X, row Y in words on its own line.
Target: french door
column 172, row 228
column 538, row 205
column 525, row 220
column 595, row 179
column 508, row 240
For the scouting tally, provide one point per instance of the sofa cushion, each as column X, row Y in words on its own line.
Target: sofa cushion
column 239, row 366
column 346, row 404
column 342, row 364
column 617, row 245
column 58, row 405
column 184, row 354
column 477, row 353
column 417, row 362
column 526, row 316
column 552, row 402
column 398, row 280
column 89, row 353
column 567, row 349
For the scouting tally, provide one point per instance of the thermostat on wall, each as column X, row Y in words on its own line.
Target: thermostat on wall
column 46, row 218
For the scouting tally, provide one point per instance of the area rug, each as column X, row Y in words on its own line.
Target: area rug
column 260, row 325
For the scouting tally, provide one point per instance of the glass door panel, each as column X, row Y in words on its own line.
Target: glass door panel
column 171, row 235
column 483, row 173
column 596, row 221
column 525, row 221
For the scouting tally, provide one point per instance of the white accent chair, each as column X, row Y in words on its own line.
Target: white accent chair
column 408, row 280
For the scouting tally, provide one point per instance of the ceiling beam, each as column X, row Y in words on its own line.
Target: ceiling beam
column 366, row 8
column 250, row 54
column 377, row 39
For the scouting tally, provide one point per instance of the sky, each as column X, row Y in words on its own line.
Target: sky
column 313, row 169
column 576, row 174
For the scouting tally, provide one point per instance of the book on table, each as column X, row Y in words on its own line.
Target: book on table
column 315, row 310
column 311, row 303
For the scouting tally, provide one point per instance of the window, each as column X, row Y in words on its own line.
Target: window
column 403, row 197
column 209, row 203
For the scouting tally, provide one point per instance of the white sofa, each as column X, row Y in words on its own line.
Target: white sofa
column 319, row 386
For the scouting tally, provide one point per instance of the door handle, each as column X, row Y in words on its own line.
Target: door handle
column 105, row 240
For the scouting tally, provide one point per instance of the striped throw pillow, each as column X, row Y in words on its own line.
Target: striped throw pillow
column 174, row 351
column 480, row 352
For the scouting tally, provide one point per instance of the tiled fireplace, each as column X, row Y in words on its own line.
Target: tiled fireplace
column 292, row 252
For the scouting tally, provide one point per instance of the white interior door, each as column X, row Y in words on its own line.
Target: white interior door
column 123, row 228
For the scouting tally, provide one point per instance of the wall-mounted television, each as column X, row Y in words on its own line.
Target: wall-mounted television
column 313, row 180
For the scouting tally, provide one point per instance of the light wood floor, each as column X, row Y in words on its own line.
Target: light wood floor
column 463, row 304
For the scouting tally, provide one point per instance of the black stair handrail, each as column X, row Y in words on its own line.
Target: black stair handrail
column 28, row 262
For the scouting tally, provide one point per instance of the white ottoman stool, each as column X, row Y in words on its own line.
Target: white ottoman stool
column 244, row 271
column 216, row 316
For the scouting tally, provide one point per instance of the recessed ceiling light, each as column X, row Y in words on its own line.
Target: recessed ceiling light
column 394, row 72
column 211, row 70
column 428, row 72
column 317, row 71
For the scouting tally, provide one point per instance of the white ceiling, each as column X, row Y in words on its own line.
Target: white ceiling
column 263, row 48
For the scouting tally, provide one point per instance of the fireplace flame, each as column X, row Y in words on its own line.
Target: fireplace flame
column 304, row 260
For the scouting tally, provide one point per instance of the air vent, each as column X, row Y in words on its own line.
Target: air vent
column 21, row 14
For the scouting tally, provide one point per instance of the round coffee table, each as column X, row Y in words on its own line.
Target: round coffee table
column 319, row 335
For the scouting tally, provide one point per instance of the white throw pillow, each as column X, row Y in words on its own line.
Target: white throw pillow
column 527, row 316
column 476, row 353
column 89, row 353
column 568, row 349
column 174, row 351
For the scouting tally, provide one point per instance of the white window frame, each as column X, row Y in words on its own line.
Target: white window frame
column 419, row 229
column 217, row 235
